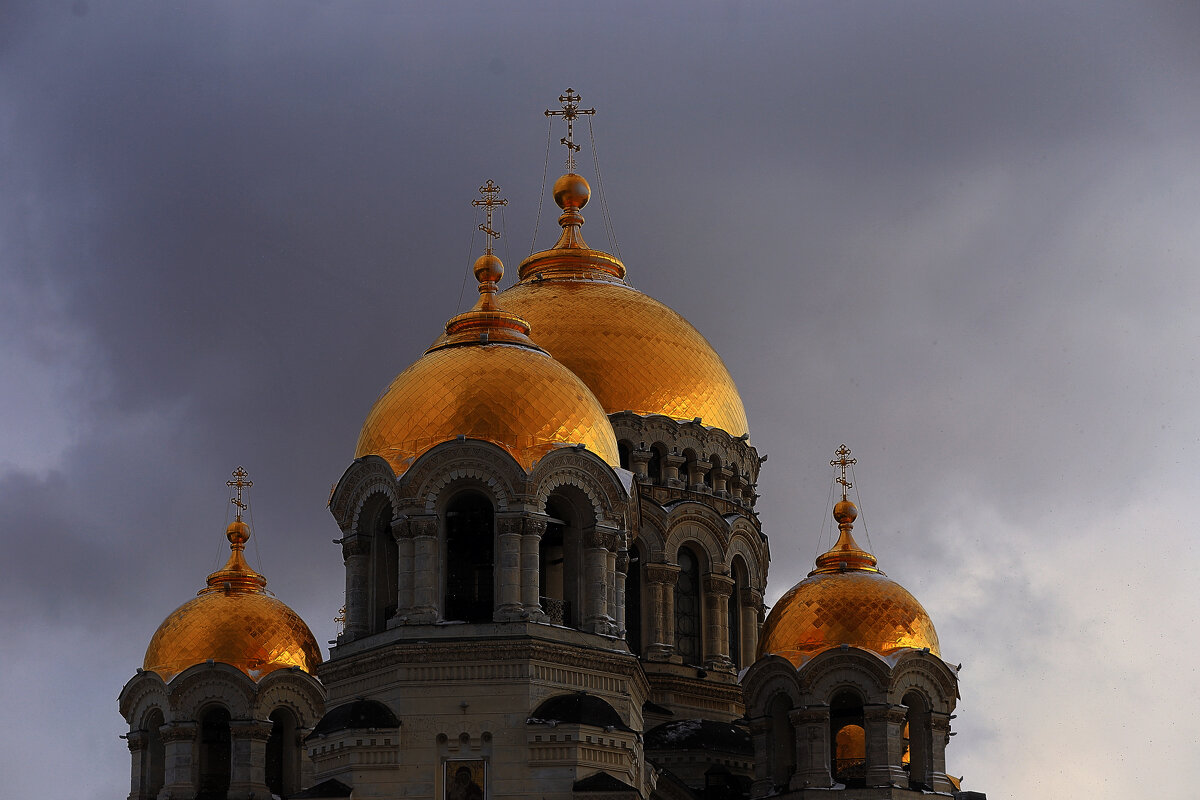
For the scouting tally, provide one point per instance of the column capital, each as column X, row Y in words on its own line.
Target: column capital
column 809, row 715
column 250, row 729
column 355, row 545
column 424, row 525
column 136, row 740
column 509, row 524
column 535, row 527
column 718, row 584
column 666, row 574
column 607, row 538
column 179, row 731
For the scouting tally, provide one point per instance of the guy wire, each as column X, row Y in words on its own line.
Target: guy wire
column 861, row 516
column 608, row 226
column 542, row 193
column 470, row 249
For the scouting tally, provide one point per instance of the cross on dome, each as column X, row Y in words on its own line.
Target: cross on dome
column 843, row 461
column 570, row 112
column 240, row 481
column 489, row 201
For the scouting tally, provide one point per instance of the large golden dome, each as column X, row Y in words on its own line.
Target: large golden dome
column 485, row 379
column 633, row 352
column 846, row 600
column 233, row 620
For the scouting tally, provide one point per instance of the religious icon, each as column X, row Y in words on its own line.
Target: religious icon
column 464, row 780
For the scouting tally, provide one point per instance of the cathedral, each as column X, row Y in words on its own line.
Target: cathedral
column 554, row 581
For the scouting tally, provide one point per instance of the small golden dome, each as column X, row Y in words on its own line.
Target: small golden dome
column 846, row 600
column 485, row 379
column 233, row 620
column 633, row 352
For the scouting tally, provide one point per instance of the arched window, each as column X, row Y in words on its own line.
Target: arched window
column 710, row 477
column 623, row 448
column 688, row 628
column 633, row 601
column 470, row 559
column 848, row 740
column 560, row 557
column 385, row 564
column 781, row 741
column 154, row 755
column 657, row 468
column 214, row 762
column 691, row 473
column 734, row 625
column 283, row 754
column 919, row 733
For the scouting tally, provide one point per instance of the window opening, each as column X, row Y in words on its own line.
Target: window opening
column 470, row 554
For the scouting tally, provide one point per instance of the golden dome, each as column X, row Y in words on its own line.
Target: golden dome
column 846, row 600
column 633, row 352
column 233, row 620
column 485, row 379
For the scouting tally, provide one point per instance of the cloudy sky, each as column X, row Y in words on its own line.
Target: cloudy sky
column 960, row 237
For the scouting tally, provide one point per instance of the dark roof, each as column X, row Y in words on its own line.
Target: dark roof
column 580, row 708
column 701, row 734
column 602, row 782
column 359, row 714
column 329, row 788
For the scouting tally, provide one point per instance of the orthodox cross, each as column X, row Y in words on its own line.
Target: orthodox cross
column 239, row 482
column 843, row 461
column 489, row 191
column 570, row 112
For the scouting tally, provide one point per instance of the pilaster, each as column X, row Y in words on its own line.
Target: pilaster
column 179, row 744
column 248, row 759
column 661, row 580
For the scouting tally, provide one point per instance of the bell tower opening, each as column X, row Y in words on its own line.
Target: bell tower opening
column 214, row 762
column 688, row 623
column 470, row 559
column 633, row 601
column 560, row 558
column 848, row 740
column 283, row 755
column 385, row 564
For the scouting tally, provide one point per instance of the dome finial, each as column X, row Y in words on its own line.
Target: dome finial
column 846, row 554
column 240, row 481
column 237, row 573
column 570, row 112
column 486, row 322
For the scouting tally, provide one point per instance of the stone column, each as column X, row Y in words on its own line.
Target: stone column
column 812, row 747
column 751, row 603
column 717, row 589
column 661, row 580
column 508, row 569
column 696, row 471
column 137, row 742
column 356, row 553
column 940, row 722
column 615, row 612
column 402, row 533
column 760, row 737
column 426, row 576
column 735, row 488
column 531, row 578
column 179, row 744
column 721, row 480
column 621, row 574
column 597, row 542
column 639, row 462
column 671, row 463
column 248, row 759
column 884, row 724
column 307, row 767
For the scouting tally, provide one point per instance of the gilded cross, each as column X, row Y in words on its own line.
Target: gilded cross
column 240, row 481
column 843, row 461
column 489, row 201
column 570, row 112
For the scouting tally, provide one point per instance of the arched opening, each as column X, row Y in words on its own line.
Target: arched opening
column 691, row 470
column 688, row 622
column 633, row 601
column 560, row 556
column 713, row 469
column 623, row 448
column 919, row 744
column 781, row 742
column 657, row 468
column 214, row 757
column 848, row 740
column 470, row 559
column 283, row 754
column 153, row 754
column 385, row 565
column 734, row 626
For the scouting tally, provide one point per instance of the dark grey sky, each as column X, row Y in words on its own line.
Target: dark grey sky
column 959, row 237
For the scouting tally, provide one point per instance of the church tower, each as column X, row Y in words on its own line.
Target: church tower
column 223, row 700
column 850, row 690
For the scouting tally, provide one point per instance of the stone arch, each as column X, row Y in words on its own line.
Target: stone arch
column 651, row 532
column 144, row 691
column 588, row 473
column 928, row 674
column 697, row 523
column 294, row 688
column 364, row 477
column 845, row 668
column 489, row 465
column 744, row 542
column 210, row 682
column 768, row 676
